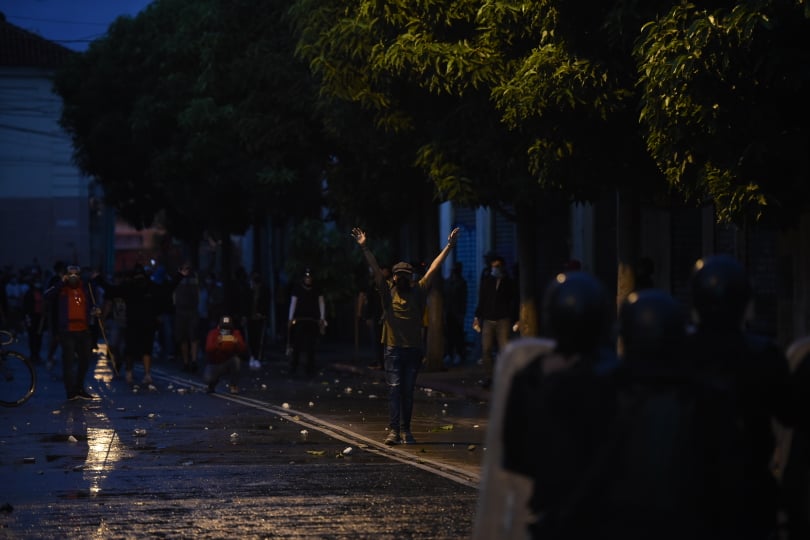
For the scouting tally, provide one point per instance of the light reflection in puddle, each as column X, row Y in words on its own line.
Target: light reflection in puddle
column 104, row 451
column 104, row 447
column 104, row 372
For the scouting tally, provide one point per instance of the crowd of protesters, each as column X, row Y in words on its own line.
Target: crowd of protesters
column 146, row 311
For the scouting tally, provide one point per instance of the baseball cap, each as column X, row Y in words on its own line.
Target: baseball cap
column 402, row 268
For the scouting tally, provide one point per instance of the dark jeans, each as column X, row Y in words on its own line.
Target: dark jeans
column 304, row 337
column 230, row 367
column 401, row 367
column 77, row 348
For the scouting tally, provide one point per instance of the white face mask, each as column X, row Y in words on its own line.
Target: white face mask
column 496, row 272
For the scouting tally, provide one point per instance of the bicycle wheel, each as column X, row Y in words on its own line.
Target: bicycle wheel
column 17, row 379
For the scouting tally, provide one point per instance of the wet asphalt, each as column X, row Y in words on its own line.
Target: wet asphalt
column 288, row 457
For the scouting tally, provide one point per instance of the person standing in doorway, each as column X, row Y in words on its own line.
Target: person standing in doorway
column 403, row 310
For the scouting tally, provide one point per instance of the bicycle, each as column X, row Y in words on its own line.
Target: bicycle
column 18, row 378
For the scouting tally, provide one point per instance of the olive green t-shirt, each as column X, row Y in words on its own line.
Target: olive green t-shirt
column 402, row 324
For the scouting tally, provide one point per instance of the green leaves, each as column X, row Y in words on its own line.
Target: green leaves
column 194, row 110
column 720, row 101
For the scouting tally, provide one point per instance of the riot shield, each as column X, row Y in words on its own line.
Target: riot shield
column 503, row 510
column 796, row 352
column 792, row 456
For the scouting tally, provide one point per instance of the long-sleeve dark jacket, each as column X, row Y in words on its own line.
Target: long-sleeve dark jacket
column 496, row 300
column 142, row 297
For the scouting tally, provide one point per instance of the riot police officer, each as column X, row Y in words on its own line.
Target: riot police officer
column 751, row 373
column 560, row 408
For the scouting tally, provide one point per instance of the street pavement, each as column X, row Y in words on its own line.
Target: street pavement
column 289, row 457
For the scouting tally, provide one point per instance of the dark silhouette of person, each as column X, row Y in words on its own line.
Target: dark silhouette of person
column 307, row 320
column 560, row 408
column 143, row 299
column 455, row 305
column 75, row 310
column 369, row 313
column 495, row 313
column 652, row 475
column 740, row 499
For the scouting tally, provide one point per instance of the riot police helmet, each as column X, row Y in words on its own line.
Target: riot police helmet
column 652, row 329
column 720, row 291
column 575, row 312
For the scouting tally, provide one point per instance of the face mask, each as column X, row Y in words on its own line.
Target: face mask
column 496, row 272
column 403, row 282
column 73, row 280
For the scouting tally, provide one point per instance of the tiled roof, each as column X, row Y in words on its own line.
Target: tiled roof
column 21, row 48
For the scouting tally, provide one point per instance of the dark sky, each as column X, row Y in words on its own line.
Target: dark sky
column 72, row 23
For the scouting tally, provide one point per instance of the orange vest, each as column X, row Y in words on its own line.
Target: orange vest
column 76, row 309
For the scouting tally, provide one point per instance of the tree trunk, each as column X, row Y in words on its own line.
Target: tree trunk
column 435, row 331
column 258, row 252
column 434, row 342
column 527, row 265
column 628, row 220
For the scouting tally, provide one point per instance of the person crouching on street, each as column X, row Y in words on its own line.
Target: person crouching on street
column 224, row 349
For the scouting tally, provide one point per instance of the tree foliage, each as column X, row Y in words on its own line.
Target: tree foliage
column 197, row 111
column 504, row 100
column 724, row 103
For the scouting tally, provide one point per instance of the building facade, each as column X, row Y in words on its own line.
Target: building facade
column 45, row 200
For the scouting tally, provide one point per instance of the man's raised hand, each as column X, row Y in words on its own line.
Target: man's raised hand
column 453, row 238
column 359, row 235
